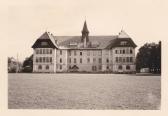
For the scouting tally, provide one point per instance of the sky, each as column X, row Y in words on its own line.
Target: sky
column 143, row 20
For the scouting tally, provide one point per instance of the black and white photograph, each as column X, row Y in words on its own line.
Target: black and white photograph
column 85, row 55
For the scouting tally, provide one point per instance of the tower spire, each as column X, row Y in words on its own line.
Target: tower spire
column 85, row 29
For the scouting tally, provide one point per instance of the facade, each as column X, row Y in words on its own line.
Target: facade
column 84, row 53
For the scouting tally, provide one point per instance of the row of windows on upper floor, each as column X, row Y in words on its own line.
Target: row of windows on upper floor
column 124, row 51
column 49, row 51
column 43, row 59
column 124, row 59
column 43, row 51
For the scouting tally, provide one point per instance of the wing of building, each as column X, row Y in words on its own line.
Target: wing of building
column 84, row 53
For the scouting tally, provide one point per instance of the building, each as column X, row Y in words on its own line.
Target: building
column 84, row 53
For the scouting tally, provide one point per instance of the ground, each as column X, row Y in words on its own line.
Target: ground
column 83, row 91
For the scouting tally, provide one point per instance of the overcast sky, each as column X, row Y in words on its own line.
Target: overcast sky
column 143, row 20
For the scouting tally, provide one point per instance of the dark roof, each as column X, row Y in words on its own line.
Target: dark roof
column 100, row 42
column 95, row 42
column 48, row 37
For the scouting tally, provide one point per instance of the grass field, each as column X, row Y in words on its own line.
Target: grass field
column 83, row 91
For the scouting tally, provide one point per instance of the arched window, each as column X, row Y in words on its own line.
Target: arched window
column 40, row 67
column 120, row 67
column 47, row 67
column 128, row 67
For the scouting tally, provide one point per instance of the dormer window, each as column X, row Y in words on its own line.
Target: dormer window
column 123, row 43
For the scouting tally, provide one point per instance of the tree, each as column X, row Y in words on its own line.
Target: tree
column 28, row 65
column 149, row 56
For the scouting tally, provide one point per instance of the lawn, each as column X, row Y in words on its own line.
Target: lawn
column 83, row 91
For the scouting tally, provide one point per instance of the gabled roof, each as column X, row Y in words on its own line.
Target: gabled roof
column 47, row 37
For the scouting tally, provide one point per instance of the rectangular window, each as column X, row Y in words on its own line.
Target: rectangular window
column 123, row 51
column 47, row 52
column 131, row 59
column 100, row 67
column 88, row 53
column 50, row 51
column 37, row 59
column 80, row 60
column 88, row 60
column 127, row 59
column 116, row 51
column 123, row 59
column 60, row 52
column 69, row 53
column 50, row 59
column 99, row 53
column 107, row 60
column 80, row 53
column 40, row 51
column 60, row 60
column 107, row 67
column 74, row 60
column 47, row 60
column 116, row 59
column 94, row 60
column 69, row 60
column 120, row 59
column 74, row 52
column 43, row 51
column 60, row 67
column 100, row 60
column 37, row 51
column 120, row 51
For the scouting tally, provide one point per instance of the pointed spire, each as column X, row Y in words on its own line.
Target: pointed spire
column 85, row 29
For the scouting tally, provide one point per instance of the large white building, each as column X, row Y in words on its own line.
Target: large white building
column 84, row 53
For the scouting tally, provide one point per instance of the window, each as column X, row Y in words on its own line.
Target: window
column 88, row 53
column 37, row 51
column 47, row 59
column 69, row 60
column 43, row 59
column 43, row 51
column 116, row 59
column 40, row 59
column 88, row 60
column 69, row 67
column 47, row 67
column 120, row 67
column 60, row 60
column 69, row 53
column 99, row 53
column 107, row 67
column 123, row 51
column 47, row 51
column 39, row 67
column 74, row 60
column 120, row 51
column 74, row 53
column 128, row 67
column 116, row 51
column 94, row 60
column 100, row 67
column 60, row 67
column 94, row 68
column 120, row 59
column 124, row 59
column 80, row 60
column 50, row 59
column 100, row 60
column 107, row 60
column 60, row 52
column 123, row 43
column 81, row 53
column 127, row 59
column 40, row 51
column 131, row 59
column 44, row 43
column 50, row 51
column 130, row 51
column 37, row 60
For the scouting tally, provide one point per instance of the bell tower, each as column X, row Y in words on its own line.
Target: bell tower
column 85, row 35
